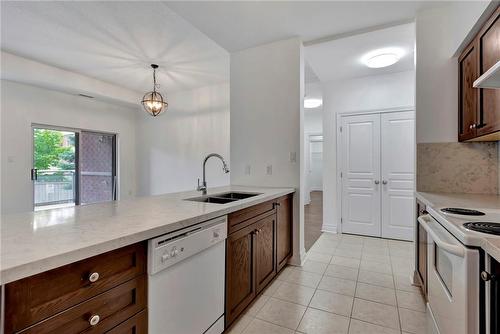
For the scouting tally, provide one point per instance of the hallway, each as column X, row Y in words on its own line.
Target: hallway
column 313, row 219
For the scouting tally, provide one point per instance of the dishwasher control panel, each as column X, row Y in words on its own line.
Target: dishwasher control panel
column 169, row 249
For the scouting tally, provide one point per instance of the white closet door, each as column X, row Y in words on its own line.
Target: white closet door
column 398, row 174
column 360, row 138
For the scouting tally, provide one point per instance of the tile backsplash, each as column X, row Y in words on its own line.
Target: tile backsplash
column 458, row 167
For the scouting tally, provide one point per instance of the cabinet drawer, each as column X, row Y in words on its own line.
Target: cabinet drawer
column 239, row 219
column 38, row 297
column 138, row 324
column 112, row 307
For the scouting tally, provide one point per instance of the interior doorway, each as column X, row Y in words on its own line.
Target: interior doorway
column 72, row 167
column 313, row 210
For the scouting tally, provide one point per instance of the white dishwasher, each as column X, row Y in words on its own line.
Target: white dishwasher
column 186, row 280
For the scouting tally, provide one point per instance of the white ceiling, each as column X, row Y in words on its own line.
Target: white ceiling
column 115, row 42
column 239, row 25
column 342, row 58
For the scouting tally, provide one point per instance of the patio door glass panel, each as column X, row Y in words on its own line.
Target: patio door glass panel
column 54, row 168
column 97, row 167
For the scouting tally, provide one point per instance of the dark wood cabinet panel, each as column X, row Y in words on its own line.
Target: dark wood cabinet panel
column 421, row 244
column 138, row 324
column 467, row 111
column 111, row 308
column 284, row 228
column 240, row 282
column 489, row 45
column 38, row 297
column 265, row 251
column 242, row 218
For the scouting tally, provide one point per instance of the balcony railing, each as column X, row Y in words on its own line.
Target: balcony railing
column 55, row 187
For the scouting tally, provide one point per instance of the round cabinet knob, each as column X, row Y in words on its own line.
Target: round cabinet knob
column 94, row 320
column 384, row 182
column 377, row 181
column 93, row 277
column 470, row 127
column 474, row 126
column 485, row 276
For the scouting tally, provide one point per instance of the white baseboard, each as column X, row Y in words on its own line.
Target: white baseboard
column 329, row 228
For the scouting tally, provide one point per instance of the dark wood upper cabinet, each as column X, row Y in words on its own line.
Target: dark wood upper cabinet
column 479, row 108
column 284, row 230
column 488, row 41
column 467, row 107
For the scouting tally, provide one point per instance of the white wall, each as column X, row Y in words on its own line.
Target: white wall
column 356, row 95
column 266, row 106
column 23, row 105
column 439, row 33
column 171, row 147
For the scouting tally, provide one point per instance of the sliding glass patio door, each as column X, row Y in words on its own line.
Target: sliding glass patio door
column 72, row 167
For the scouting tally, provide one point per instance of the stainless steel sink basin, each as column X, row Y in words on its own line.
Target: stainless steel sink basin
column 223, row 198
column 236, row 195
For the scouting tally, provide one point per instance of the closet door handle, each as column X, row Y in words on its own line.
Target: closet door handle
column 384, row 182
column 377, row 181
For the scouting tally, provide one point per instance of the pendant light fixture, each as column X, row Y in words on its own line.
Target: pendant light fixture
column 153, row 102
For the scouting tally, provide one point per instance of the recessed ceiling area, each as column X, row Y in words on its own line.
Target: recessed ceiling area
column 114, row 42
column 237, row 25
column 345, row 58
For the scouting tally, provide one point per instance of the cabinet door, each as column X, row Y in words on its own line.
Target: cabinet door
column 468, row 95
column 265, row 251
column 489, row 48
column 240, row 283
column 284, row 230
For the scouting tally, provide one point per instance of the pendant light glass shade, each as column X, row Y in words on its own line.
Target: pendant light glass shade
column 153, row 102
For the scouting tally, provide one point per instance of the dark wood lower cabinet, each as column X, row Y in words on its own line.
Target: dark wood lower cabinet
column 256, row 252
column 284, row 228
column 240, row 282
column 138, row 324
column 94, row 295
column 421, row 250
column 265, row 251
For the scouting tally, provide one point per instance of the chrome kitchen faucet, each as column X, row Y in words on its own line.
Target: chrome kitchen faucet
column 203, row 186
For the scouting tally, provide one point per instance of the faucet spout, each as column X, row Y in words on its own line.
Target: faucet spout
column 203, row 186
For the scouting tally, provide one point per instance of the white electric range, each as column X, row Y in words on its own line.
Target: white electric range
column 458, row 300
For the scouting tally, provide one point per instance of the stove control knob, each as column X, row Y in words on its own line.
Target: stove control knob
column 165, row 257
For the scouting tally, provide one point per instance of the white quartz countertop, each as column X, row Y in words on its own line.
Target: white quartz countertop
column 34, row 242
column 490, row 204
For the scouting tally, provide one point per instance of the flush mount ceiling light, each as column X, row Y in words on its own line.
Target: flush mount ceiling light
column 311, row 103
column 382, row 57
column 153, row 102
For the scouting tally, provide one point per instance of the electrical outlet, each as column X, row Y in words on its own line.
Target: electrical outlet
column 269, row 170
column 293, row 157
column 247, row 169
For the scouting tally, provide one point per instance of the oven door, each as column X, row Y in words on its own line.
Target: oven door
column 453, row 286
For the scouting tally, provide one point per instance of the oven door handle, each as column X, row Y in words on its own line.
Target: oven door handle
column 453, row 249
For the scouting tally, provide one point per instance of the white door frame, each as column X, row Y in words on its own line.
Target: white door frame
column 339, row 150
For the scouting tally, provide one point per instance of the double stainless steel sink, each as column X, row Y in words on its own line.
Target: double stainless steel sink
column 223, row 198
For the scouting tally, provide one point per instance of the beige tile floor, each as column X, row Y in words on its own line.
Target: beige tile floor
column 349, row 284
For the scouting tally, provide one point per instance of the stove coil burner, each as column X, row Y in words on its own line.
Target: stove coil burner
column 485, row 227
column 465, row 212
